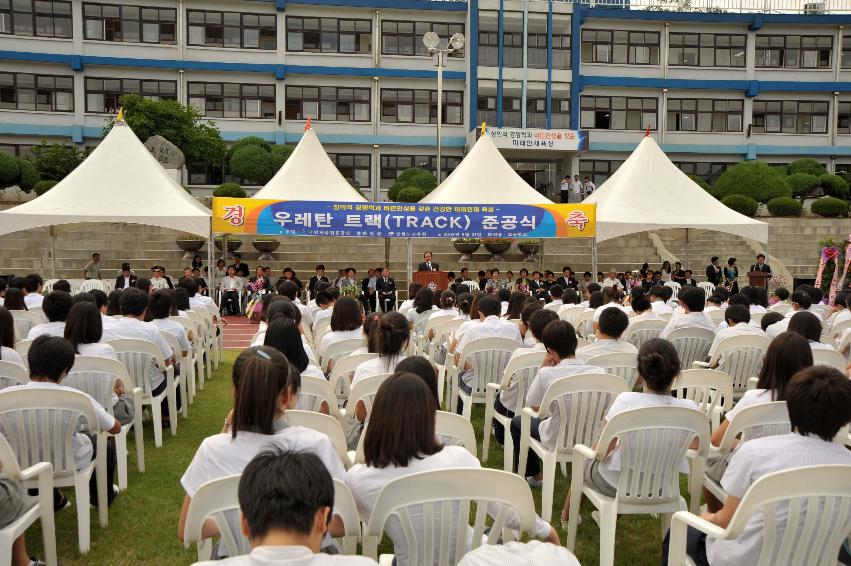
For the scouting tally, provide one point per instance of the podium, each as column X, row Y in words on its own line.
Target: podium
column 439, row 278
column 758, row 279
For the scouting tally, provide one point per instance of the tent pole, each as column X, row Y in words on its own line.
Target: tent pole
column 541, row 256
column 685, row 259
column 53, row 252
column 593, row 259
column 211, row 274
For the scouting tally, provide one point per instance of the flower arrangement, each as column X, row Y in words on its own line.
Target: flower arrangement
column 491, row 241
column 777, row 281
column 466, row 241
column 257, row 285
column 350, row 291
column 834, row 259
column 188, row 236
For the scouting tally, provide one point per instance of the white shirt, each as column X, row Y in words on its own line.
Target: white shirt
column 366, row 482
column 47, row 328
column 778, row 328
column 751, row 398
column 128, row 327
column 508, row 396
column 81, row 443
column 201, row 301
column 320, row 314
column 688, row 320
column 753, row 460
column 740, row 329
column 659, row 307
column 175, row 329
column 610, row 467
column 599, row 310
column 98, row 350
column 490, row 327
column 608, row 282
column 158, row 283
column 232, row 283
column 517, row 553
column 33, row 300
column 549, row 427
column 10, row 355
column 444, row 312
column 649, row 314
column 376, row 366
column 289, row 556
column 605, row 346
column 337, row 336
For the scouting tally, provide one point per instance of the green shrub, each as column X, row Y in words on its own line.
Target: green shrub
column 247, row 141
column 413, row 177
column 753, row 179
column 43, row 186
column 741, row 204
column 29, row 175
column 252, row 163
column 702, row 183
column 810, row 166
column 410, row 194
column 834, row 186
column 57, row 160
column 229, row 190
column 280, row 154
column 802, row 183
column 830, row 207
column 9, row 170
column 780, row 170
column 784, row 206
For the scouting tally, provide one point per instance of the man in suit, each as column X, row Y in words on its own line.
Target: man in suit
column 126, row 279
column 385, row 288
column 567, row 280
column 241, row 268
column 760, row 265
column 259, row 274
column 368, row 288
column 465, row 275
column 313, row 281
column 713, row 271
column 688, row 280
column 428, row 265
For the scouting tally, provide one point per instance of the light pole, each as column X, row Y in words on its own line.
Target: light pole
column 431, row 41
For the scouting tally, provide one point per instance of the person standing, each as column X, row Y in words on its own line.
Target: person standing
column 731, row 274
column 588, row 187
column 713, row 271
column 428, row 264
column 241, row 268
column 92, row 269
column 566, row 190
column 760, row 265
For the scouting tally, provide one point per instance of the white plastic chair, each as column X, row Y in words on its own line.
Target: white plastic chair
column 817, row 504
column 711, row 389
column 585, row 324
column 40, row 427
column 716, row 316
column 315, row 391
column 183, row 377
column 12, row 374
column 741, row 358
column 327, row 425
column 707, row 288
column 488, row 358
column 342, row 373
column 580, row 402
column 621, row 364
column 423, row 344
column 347, row 510
column 756, row 318
column 362, row 392
column 137, row 356
column 197, row 354
column 570, row 312
column 444, row 498
column 22, row 347
column 832, row 358
column 837, row 329
column 24, row 321
column 339, row 350
column 641, row 331
column 692, row 344
column 39, row 312
column 216, row 500
column 653, row 442
column 782, row 308
column 97, row 376
column 675, row 287
column 42, row 473
column 523, row 369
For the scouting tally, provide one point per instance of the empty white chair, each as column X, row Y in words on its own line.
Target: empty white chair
column 832, row 358
column 711, row 389
column 741, row 358
column 641, row 331
column 653, row 442
column 12, row 374
column 621, row 364
column 707, row 287
column 42, row 473
column 692, row 344
column 41, row 428
column 340, row 349
column 582, row 402
column 488, row 358
column 816, row 499
column 675, row 287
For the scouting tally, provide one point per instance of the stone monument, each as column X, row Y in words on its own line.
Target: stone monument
column 168, row 154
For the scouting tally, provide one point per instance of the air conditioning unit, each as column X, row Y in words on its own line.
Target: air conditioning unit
column 814, row 8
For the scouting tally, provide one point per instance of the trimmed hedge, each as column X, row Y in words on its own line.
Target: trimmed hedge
column 810, row 166
column 741, row 204
column 43, row 186
column 9, row 170
column 413, row 177
column 780, row 170
column 28, row 175
column 784, row 206
column 701, row 183
column 830, row 207
column 280, row 154
column 411, row 194
column 802, row 183
column 249, row 140
column 252, row 163
column 229, row 190
column 753, row 179
column 834, row 186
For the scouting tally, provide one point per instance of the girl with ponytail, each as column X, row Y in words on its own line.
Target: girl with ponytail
column 392, row 336
column 465, row 301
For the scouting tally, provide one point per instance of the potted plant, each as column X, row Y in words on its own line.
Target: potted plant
column 497, row 247
column 232, row 242
column 189, row 243
column 265, row 245
column 530, row 249
column 466, row 247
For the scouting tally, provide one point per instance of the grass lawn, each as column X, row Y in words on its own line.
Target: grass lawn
column 143, row 520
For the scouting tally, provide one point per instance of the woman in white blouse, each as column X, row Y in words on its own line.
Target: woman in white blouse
column 346, row 323
column 7, row 338
column 809, row 326
column 400, row 440
column 392, row 337
column 84, row 329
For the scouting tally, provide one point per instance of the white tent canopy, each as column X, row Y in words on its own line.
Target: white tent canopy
column 119, row 182
column 484, row 176
column 309, row 174
column 649, row 193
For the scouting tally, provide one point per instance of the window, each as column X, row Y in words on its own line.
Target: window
column 486, row 109
column 46, row 93
column 536, row 50
column 393, row 165
column 355, row 167
column 110, row 22
column 407, row 106
column 20, row 151
column 536, row 112
column 704, row 115
column 201, row 173
column 231, row 29
column 627, row 47
column 488, row 48
column 561, row 51
column 597, row 170
column 709, row 172
column 617, row 113
column 794, row 51
column 343, row 104
column 843, row 124
column 328, row 35
column 846, row 52
column 104, row 95
column 39, row 18
column 560, row 112
column 511, row 116
column 406, row 38
column 233, row 100
column 789, row 116
column 512, row 49
column 707, row 50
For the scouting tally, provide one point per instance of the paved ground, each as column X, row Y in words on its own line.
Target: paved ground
column 238, row 332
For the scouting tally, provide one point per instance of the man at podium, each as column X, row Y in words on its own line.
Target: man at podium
column 428, row 265
column 760, row 265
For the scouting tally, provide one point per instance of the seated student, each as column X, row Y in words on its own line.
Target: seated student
column 196, row 300
column 556, row 293
column 807, row 325
column 516, row 301
column 713, row 303
column 56, row 306
column 529, row 309
column 800, row 302
column 770, row 318
column 693, row 300
column 286, row 502
column 446, row 305
column 779, row 296
column 325, row 300
column 559, row 339
column 658, row 303
column 399, row 441
column 586, row 297
column 50, row 359
column 819, row 403
column 738, row 319
column 423, row 303
column 464, row 301
column 84, row 329
column 658, row 366
column 14, row 502
column 392, row 335
column 755, row 298
column 503, row 294
column 613, row 323
column 532, row 553
column 160, row 306
column 346, row 323
column 786, row 356
column 473, row 319
column 611, row 299
column 839, row 311
column 289, row 289
column 265, row 385
column 413, row 289
column 642, row 309
column 7, row 338
column 422, row 368
column 283, row 335
column 34, row 285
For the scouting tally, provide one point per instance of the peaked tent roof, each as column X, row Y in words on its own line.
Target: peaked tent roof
column 309, row 174
column 120, row 181
column 648, row 193
column 484, row 176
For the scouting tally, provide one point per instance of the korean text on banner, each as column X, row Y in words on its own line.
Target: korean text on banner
column 402, row 220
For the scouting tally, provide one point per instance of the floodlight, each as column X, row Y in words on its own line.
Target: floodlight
column 431, row 40
column 457, row 41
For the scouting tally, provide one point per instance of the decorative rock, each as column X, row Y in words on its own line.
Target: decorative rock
column 168, row 154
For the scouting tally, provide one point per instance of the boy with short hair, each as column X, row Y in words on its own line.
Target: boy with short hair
column 692, row 300
column 611, row 326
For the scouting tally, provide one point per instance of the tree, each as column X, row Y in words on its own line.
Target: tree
column 413, row 177
column 54, row 161
column 280, row 154
column 753, row 179
column 29, row 175
column 198, row 139
column 252, row 163
column 9, row 171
